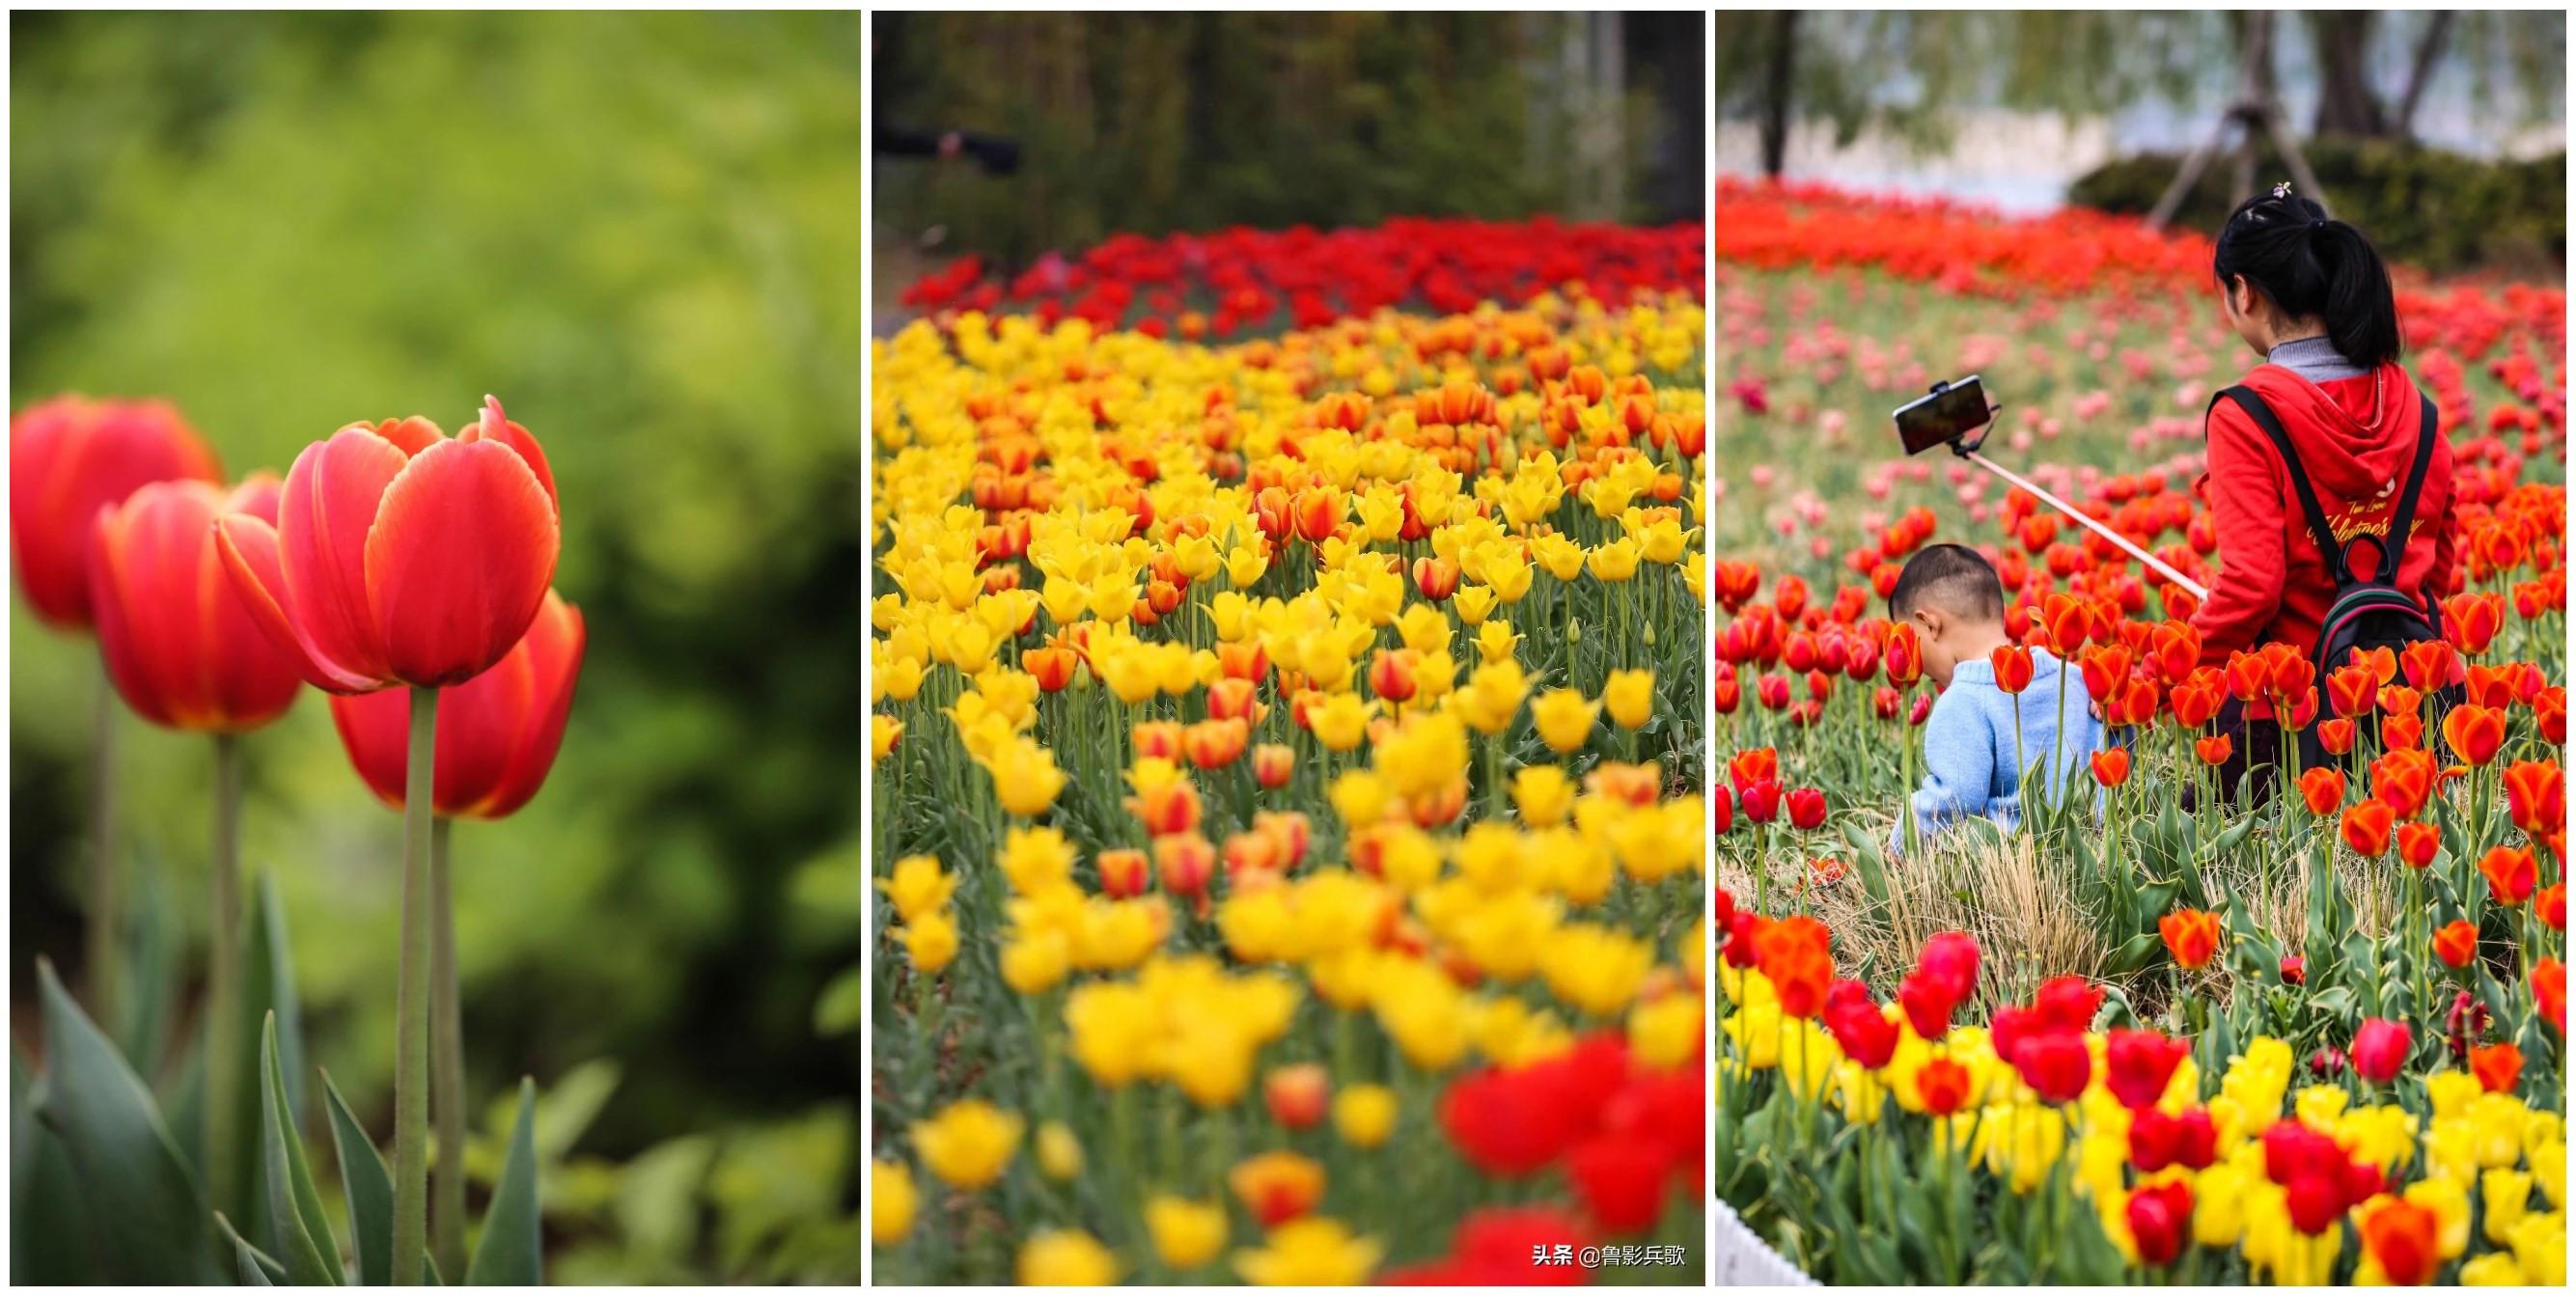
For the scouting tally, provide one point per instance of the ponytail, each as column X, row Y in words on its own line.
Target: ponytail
column 2311, row 265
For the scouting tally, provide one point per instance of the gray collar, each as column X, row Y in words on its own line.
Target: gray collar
column 2315, row 359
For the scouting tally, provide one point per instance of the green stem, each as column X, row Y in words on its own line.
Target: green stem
column 224, row 1036
column 447, row 1060
column 411, row 1002
column 104, row 950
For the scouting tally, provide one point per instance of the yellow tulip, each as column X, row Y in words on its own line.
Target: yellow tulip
column 1629, row 696
column 1563, row 719
column 1364, row 1114
column 1066, row 1258
column 968, row 1143
column 1339, row 721
column 918, row 886
column 929, row 942
column 1310, row 1252
column 1186, row 1233
column 1665, row 1032
column 1059, row 1152
column 892, row 1202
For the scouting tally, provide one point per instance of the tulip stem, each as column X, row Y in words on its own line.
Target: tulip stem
column 411, row 1003
column 447, row 1060
column 224, row 983
column 105, row 950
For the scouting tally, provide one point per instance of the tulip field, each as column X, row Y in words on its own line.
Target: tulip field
column 1287, row 834
column 2153, row 1036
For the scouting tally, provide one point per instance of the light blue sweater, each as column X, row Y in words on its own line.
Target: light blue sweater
column 1968, row 765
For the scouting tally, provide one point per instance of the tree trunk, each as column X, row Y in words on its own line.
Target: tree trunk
column 2345, row 103
column 2428, row 53
column 1777, row 78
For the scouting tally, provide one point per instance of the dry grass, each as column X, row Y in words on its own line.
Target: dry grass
column 2020, row 898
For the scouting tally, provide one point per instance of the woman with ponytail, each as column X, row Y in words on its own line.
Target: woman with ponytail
column 2310, row 295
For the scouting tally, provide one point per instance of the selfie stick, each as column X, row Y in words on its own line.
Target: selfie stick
column 2158, row 565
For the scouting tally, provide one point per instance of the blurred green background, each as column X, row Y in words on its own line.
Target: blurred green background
column 642, row 233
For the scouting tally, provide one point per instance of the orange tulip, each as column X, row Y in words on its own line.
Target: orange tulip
column 2322, row 788
column 181, row 649
column 2366, row 827
column 1052, row 666
column 1215, row 744
column 2111, row 767
column 400, row 555
column 1796, row 955
column 2418, row 843
column 2511, row 873
column 1904, row 656
column 1297, row 1095
column 1171, row 807
column 1437, row 578
column 2403, row 1237
column 2474, row 732
column 1273, row 765
column 2352, row 690
column 71, row 459
column 1391, row 675
column 2535, row 795
column 1124, row 872
column 497, row 732
column 2013, row 668
column 2456, row 942
column 2190, row 935
column 1157, row 739
column 2214, row 750
column 2497, row 1066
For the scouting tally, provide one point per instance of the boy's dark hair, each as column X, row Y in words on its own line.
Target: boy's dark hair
column 2307, row 264
column 1953, row 578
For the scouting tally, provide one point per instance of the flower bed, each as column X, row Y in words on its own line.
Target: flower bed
column 1289, row 843
column 2319, row 1040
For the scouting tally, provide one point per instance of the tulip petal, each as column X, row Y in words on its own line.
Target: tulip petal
column 458, row 560
column 250, row 549
column 332, row 497
column 553, row 652
column 494, row 426
column 375, row 730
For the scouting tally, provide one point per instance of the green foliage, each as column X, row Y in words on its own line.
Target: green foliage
column 641, row 232
column 2425, row 207
column 1153, row 122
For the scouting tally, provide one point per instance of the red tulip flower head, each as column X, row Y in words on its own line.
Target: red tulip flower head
column 69, row 460
column 2190, row 935
column 180, row 646
column 2379, row 1048
column 401, row 555
column 497, row 732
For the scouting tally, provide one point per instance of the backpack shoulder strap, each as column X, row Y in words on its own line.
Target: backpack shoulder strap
column 2404, row 524
column 2319, row 529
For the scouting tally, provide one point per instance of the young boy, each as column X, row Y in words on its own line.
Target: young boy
column 1951, row 596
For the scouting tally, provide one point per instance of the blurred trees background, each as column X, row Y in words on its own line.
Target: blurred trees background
column 1154, row 122
column 1920, row 76
column 641, row 232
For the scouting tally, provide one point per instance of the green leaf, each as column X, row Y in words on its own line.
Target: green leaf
column 251, row 1264
column 148, row 1223
column 294, row 1208
column 369, row 1188
column 45, row 1225
column 2134, row 956
column 838, row 1009
column 512, row 1250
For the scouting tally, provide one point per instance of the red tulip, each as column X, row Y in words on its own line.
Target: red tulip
column 2159, row 1220
column 1949, row 961
column 71, row 459
column 1621, row 1181
column 2013, row 667
column 2294, row 969
column 2138, row 1064
column 2379, row 1048
column 1904, row 657
column 402, row 556
column 1761, row 801
column 180, row 647
column 497, row 732
column 2056, row 1065
column 1806, row 807
column 2549, row 992
column 2214, row 750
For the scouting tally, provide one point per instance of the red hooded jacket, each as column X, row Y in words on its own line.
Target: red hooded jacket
column 2356, row 438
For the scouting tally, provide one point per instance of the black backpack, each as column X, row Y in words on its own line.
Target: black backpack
column 2370, row 613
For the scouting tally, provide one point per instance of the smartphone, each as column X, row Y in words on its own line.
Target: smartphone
column 1944, row 416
